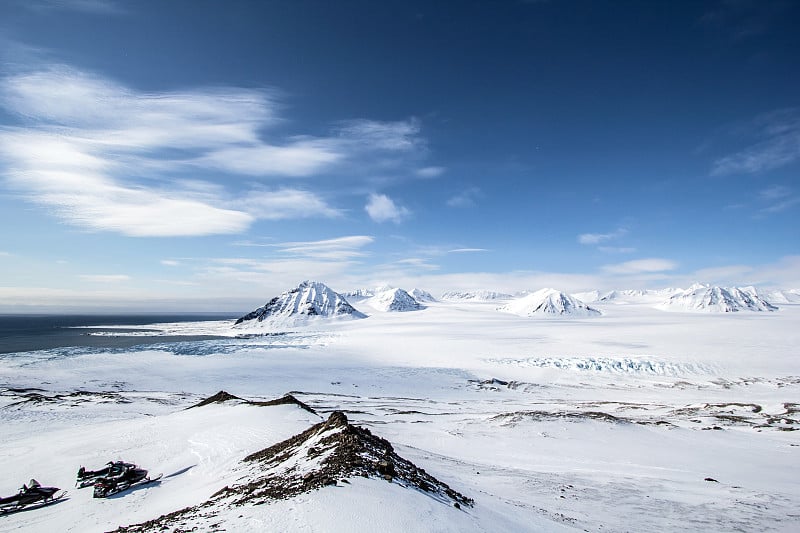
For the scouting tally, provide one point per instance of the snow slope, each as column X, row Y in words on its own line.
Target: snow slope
column 549, row 302
column 641, row 421
column 707, row 299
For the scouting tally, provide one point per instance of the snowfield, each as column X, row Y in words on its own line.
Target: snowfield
column 635, row 420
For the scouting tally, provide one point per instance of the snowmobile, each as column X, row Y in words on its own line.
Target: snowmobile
column 87, row 478
column 130, row 476
column 30, row 496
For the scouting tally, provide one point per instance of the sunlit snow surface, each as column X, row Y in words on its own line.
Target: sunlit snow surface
column 610, row 423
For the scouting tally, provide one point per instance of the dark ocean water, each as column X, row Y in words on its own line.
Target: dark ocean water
column 27, row 333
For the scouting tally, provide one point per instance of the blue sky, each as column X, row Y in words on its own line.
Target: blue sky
column 207, row 155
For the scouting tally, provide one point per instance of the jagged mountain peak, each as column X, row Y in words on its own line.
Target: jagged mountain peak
column 309, row 299
column 422, row 296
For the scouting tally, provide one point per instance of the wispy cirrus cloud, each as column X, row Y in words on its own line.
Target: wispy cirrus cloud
column 282, row 204
column 97, row 7
column 597, row 238
column 105, row 278
column 381, row 208
column 284, row 264
column 106, row 157
column 466, row 198
column 340, row 248
column 641, row 266
column 778, row 198
column 466, row 250
column 430, row 172
column 616, row 249
column 390, row 136
column 777, row 144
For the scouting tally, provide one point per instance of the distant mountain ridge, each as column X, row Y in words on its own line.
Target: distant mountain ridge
column 475, row 296
column 708, row 299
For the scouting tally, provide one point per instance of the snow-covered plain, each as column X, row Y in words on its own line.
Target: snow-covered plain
column 610, row 423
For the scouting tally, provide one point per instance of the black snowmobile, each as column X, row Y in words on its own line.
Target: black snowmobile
column 129, row 476
column 87, row 478
column 30, row 496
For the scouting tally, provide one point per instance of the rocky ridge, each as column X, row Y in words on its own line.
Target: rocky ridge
column 325, row 454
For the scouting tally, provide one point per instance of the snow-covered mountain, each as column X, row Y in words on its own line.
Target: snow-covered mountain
column 705, row 299
column 393, row 300
column 549, row 302
column 474, row 296
column 790, row 296
column 588, row 296
column 422, row 296
column 294, row 307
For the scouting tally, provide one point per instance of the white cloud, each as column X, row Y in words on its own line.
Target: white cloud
column 779, row 145
column 341, row 248
column 774, row 192
column 784, row 273
column 284, row 204
column 381, row 208
column 430, row 172
column 299, row 158
column 465, row 198
column 779, row 197
column 98, row 7
column 391, row 136
column 616, row 249
column 466, row 250
column 596, row 238
column 170, row 262
column 418, row 263
column 782, row 205
column 103, row 156
column 105, row 278
column 96, row 203
column 640, row 266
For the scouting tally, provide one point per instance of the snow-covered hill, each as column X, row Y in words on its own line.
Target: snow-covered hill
column 393, row 300
column 310, row 300
column 474, row 296
column 549, row 302
column 705, row 299
column 328, row 454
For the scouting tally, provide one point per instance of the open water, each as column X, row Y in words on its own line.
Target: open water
column 28, row 333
